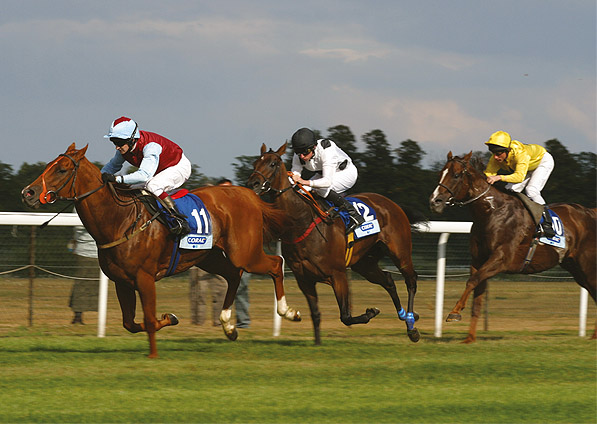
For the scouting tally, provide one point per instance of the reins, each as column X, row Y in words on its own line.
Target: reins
column 298, row 188
column 53, row 196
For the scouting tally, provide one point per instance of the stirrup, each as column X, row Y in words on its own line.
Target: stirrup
column 354, row 224
column 181, row 227
column 547, row 231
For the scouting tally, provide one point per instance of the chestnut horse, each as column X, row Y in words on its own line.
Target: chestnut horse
column 142, row 248
column 503, row 231
column 319, row 255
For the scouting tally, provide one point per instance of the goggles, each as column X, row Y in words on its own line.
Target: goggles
column 306, row 151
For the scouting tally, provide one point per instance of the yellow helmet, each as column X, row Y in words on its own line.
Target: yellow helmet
column 499, row 141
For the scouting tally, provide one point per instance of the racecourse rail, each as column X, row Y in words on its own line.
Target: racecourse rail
column 444, row 228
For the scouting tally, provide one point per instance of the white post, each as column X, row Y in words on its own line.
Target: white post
column 441, row 274
column 278, row 318
column 102, row 305
column 582, row 314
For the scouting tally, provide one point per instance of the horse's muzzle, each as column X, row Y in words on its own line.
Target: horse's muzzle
column 30, row 196
column 437, row 204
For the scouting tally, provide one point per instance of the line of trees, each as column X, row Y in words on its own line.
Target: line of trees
column 397, row 173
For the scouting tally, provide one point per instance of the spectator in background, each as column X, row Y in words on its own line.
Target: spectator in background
column 84, row 293
column 241, row 301
column 202, row 283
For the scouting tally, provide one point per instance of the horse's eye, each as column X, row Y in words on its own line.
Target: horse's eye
column 457, row 174
column 62, row 171
column 272, row 164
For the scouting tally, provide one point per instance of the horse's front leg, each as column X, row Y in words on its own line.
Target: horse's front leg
column 476, row 311
column 310, row 291
column 492, row 267
column 340, row 285
column 147, row 293
column 128, row 304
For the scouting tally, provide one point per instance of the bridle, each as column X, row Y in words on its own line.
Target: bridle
column 267, row 182
column 451, row 201
column 50, row 196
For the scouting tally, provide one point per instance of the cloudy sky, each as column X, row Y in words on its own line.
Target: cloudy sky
column 222, row 77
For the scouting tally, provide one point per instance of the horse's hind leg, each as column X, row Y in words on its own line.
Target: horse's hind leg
column 368, row 268
column 273, row 266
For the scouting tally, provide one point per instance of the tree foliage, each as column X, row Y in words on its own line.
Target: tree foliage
column 397, row 173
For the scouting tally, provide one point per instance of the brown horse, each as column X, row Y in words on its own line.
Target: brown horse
column 503, row 231
column 319, row 255
column 142, row 248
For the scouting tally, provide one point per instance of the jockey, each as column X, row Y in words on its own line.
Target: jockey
column 528, row 167
column 161, row 164
column 334, row 171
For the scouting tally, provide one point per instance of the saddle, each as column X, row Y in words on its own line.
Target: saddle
column 534, row 208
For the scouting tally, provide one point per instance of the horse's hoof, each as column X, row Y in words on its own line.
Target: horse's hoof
column 297, row 317
column 453, row 317
column 233, row 335
column 372, row 312
column 468, row 340
column 173, row 318
column 414, row 335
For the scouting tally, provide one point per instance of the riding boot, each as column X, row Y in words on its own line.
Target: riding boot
column 342, row 203
column 547, row 224
column 181, row 227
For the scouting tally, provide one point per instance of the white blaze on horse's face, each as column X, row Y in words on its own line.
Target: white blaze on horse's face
column 436, row 191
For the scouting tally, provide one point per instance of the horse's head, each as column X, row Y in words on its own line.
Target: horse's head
column 57, row 181
column 455, row 183
column 265, row 170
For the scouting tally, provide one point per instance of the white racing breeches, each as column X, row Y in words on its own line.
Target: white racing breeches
column 343, row 180
column 535, row 180
column 169, row 178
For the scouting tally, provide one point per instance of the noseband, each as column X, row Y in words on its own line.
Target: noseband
column 453, row 202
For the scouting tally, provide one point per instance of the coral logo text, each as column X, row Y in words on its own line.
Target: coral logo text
column 367, row 226
column 196, row 240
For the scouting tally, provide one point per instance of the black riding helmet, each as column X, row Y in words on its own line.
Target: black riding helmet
column 303, row 140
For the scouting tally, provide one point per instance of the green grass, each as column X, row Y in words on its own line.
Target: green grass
column 355, row 376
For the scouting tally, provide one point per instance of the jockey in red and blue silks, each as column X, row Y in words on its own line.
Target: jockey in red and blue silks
column 162, row 166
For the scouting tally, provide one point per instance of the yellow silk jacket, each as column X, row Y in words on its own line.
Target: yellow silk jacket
column 521, row 159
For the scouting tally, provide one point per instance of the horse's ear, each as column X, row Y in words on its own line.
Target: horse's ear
column 71, row 148
column 79, row 154
column 467, row 157
column 282, row 149
column 450, row 155
column 263, row 149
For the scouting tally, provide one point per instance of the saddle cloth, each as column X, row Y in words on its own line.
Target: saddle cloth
column 371, row 224
column 198, row 217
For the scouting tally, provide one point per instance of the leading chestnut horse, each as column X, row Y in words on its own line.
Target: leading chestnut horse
column 503, row 231
column 315, row 251
column 143, row 248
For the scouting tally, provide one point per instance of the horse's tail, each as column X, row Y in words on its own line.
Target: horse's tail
column 415, row 217
column 275, row 222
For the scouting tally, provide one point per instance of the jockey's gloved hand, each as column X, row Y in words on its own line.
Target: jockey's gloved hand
column 108, row 178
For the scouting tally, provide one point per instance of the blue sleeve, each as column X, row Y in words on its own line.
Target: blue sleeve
column 149, row 164
column 114, row 165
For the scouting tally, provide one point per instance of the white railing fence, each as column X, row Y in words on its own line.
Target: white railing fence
column 444, row 228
